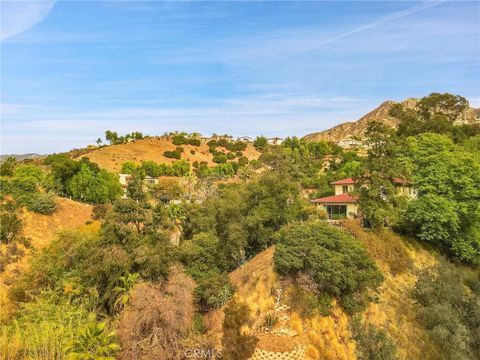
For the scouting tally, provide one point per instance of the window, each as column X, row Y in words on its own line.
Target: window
column 336, row 211
column 345, row 189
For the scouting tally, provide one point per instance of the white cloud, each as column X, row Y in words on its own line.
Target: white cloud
column 19, row 16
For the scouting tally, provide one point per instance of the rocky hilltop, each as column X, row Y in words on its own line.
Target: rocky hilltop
column 356, row 129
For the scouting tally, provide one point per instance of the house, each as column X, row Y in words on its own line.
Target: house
column 349, row 142
column 245, row 138
column 125, row 178
column 150, row 180
column 345, row 205
column 274, row 141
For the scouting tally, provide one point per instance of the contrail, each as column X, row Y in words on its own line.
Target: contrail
column 281, row 58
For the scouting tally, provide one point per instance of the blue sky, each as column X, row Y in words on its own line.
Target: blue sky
column 72, row 69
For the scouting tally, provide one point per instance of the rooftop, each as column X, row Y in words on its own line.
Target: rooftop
column 336, row 199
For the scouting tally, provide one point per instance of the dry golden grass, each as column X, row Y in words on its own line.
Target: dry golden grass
column 112, row 157
column 329, row 337
column 388, row 249
column 41, row 229
column 253, row 284
column 399, row 260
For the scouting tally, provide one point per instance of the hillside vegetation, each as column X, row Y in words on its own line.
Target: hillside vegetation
column 234, row 259
column 112, row 157
column 39, row 230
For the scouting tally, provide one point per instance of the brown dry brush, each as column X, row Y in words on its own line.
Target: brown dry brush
column 157, row 319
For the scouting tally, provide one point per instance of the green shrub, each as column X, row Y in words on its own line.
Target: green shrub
column 192, row 152
column 373, row 343
column 43, row 329
column 93, row 342
column 449, row 310
column 220, row 159
column 230, row 156
column 7, row 167
column 175, row 154
column 23, row 171
column 337, row 263
column 256, row 164
column 307, row 304
column 43, row 203
column 243, row 161
column 11, row 224
column 213, row 291
column 260, row 142
column 129, row 167
column 24, row 185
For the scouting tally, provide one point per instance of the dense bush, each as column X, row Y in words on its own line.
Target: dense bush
column 94, row 341
column 153, row 169
column 447, row 177
column 11, row 224
column 175, row 154
column 220, row 170
column 43, row 329
column 449, row 308
column 237, row 343
column 373, row 343
column 337, row 263
column 184, row 140
column 243, row 161
column 220, row 158
column 260, row 142
column 8, row 166
column 82, row 179
column 99, row 187
column 308, row 304
column 43, row 203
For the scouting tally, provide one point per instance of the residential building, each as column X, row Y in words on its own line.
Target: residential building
column 275, row 141
column 345, row 205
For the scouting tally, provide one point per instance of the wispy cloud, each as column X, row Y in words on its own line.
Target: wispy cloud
column 19, row 16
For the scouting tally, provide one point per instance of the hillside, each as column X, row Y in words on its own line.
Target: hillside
column 113, row 156
column 40, row 230
column 329, row 337
column 381, row 113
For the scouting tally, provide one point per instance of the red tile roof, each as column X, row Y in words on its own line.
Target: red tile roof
column 336, row 199
column 350, row 181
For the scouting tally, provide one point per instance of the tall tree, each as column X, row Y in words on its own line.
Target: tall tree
column 375, row 186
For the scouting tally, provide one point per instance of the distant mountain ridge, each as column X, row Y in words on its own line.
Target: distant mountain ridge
column 20, row 157
column 356, row 129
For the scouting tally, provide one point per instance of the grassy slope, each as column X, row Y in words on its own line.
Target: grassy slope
column 41, row 229
column 112, row 157
column 329, row 337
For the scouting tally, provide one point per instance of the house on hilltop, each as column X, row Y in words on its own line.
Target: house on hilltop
column 275, row 141
column 345, row 205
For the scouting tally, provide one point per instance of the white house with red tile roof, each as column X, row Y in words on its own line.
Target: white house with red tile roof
column 344, row 205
